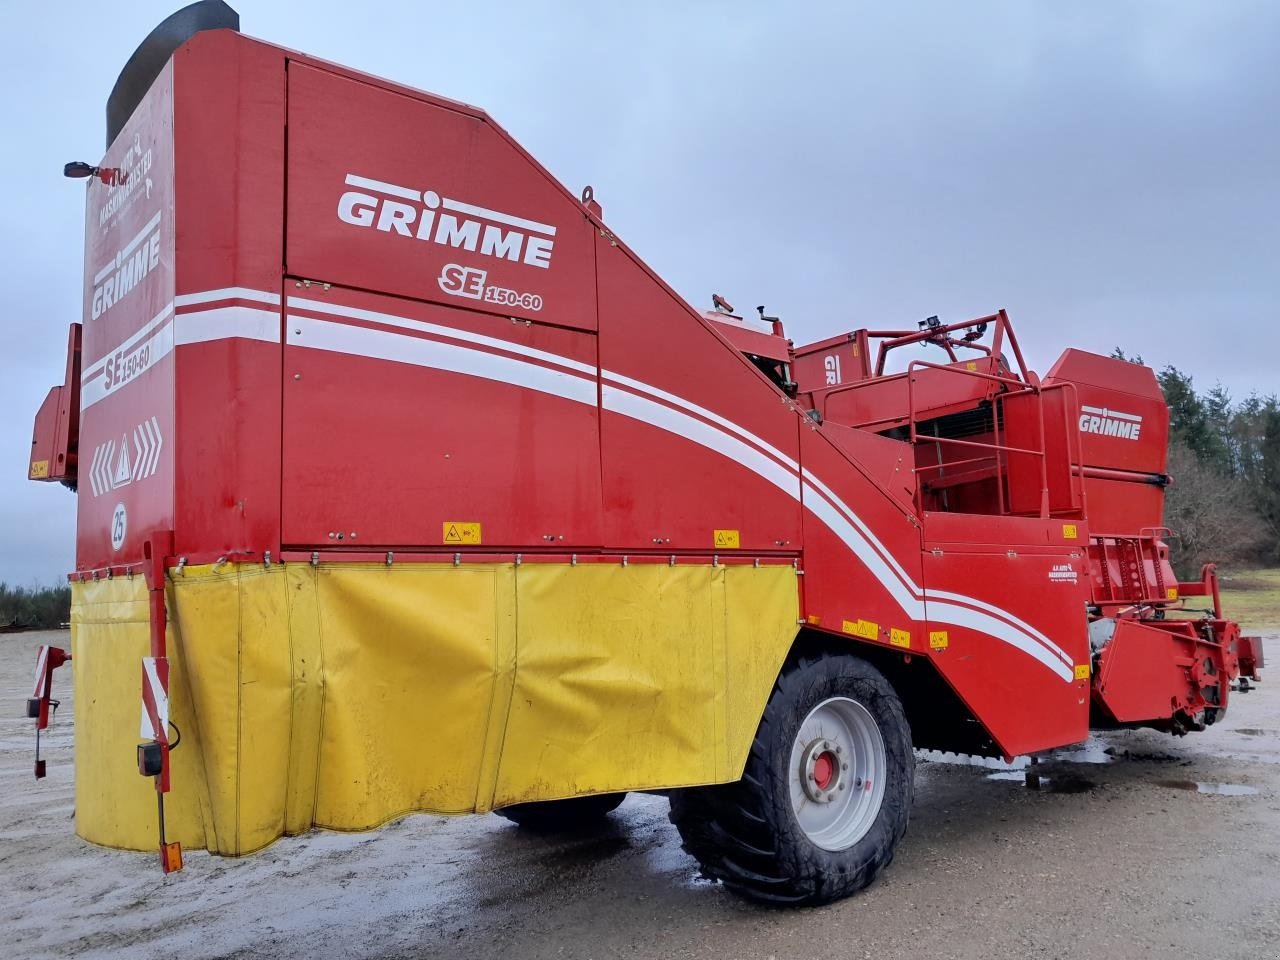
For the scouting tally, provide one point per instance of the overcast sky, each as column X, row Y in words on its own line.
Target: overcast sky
column 1109, row 172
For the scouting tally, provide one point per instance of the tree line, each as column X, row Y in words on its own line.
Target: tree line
column 34, row 608
column 1224, row 457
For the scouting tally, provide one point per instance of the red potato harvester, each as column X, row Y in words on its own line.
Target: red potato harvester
column 404, row 485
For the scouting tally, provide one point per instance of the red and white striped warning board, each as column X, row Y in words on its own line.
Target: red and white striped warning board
column 42, row 672
column 155, row 699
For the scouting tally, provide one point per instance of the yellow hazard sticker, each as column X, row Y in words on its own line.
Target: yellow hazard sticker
column 938, row 640
column 1082, row 671
column 862, row 628
column 1171, row 593
column 1069, row 532
column 971, row 366
column 813, row 619
column 727, row 539
column 900, row 638
column 39, row 469
column 466, row 534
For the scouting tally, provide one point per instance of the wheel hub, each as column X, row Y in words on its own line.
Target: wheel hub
column 823, row 770
column 837, row 773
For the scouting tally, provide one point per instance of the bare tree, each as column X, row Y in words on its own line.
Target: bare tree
column 1212, row 515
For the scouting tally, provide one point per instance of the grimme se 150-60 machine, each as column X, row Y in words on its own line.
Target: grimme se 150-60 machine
column 404, row 485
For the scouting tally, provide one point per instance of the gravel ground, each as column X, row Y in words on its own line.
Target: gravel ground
column 1123, row 858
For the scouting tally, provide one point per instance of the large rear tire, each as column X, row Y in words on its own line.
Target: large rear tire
column 825, row 795
column 558, row 816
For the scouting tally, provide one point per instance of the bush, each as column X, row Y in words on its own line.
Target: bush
column 34, row 608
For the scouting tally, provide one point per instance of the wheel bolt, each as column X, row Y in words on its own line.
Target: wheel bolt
column 842, row 786
column 839, row 749
column 830, row 797
column 844, row 766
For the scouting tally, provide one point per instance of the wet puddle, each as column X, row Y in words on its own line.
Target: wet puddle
column 1251, row 732
column 1215, row 789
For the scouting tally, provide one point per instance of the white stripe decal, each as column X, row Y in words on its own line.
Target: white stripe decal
column 658, row 408
column 147, row 328
column 497, row 216
column 702, row 412
column 197, row 326
column 766, row 461
column 681, row 424
column 1021, row 625
column 821, row 508
column 453, row 333
column 135, row 363
column 985, row 623
column 1013, row 628
column 226, row 293
column 224, row 323
column 364, row 183
column 1113, row 414
column 127, row 249
column 382, row 345
column 864, row 531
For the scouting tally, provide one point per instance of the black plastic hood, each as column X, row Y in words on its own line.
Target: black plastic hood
column 154, row 52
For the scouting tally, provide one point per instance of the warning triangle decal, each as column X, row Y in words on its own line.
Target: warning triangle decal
column 124, row 473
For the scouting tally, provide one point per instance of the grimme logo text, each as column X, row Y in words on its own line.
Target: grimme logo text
column 1109, row 423
column 425, row 215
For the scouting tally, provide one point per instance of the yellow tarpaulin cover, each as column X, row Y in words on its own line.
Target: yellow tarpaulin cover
column 344, row 695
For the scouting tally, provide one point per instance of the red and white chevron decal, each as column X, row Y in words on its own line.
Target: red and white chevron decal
column 147, row 443
column 112, row 466
column 42, row 672
column 100, row 467
column 155, row 699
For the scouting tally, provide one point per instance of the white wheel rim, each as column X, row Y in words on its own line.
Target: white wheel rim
column 838, row 767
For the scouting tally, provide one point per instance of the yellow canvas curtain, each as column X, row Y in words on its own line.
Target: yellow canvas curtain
column 345, row 695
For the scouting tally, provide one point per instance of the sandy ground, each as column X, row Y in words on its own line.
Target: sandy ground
column 1123, row 858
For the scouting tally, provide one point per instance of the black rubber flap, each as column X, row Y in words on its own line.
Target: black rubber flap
column 154, row 52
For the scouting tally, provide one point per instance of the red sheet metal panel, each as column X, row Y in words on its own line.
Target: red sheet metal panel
column 1005, row 601
column 1123, row 424
column 694, row 439
column 417, row 198
column 126, row 427
column 230, row 197
column 862, row 552
column 401, row 418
